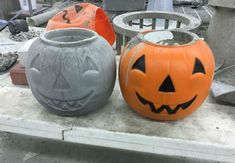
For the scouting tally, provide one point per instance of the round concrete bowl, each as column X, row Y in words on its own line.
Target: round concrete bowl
column 124, row 24
column 71, row 71
column 130, row 24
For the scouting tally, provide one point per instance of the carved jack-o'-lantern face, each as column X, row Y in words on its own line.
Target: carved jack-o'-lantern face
column 71, row 80
column 166, row 82
column 63, row 82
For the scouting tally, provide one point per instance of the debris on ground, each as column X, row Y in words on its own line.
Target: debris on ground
column 7, row 60
column 24, row 36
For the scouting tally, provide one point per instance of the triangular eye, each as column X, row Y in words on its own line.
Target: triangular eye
column 140, row 64
column 198, row 67
column 88, row 64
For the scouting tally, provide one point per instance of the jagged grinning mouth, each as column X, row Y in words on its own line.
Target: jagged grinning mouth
column 166, row 107
column 66, row 104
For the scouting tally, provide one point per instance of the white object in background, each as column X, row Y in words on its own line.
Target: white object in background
column 25, row 5
column 160, row 5
column 23, row 51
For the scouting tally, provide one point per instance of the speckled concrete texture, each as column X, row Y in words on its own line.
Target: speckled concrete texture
column 23, row 149
column 221, row 32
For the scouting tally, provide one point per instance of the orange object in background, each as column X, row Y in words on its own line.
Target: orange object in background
column 84, row 15
column 166, row 75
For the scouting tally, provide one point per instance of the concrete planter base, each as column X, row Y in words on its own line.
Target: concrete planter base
column 221, row 32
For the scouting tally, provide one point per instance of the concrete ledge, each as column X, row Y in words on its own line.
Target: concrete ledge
column 206, row 134
column 222, row 3
column 150, row 144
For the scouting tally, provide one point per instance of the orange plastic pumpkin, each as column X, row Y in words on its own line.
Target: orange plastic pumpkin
column 84, row 15
column 166, row 75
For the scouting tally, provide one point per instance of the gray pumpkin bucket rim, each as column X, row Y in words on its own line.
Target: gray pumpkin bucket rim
column 193, row 37
column 47, row 36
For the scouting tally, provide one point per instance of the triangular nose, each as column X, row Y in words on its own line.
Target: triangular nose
column 167, row 85
column 60, row 83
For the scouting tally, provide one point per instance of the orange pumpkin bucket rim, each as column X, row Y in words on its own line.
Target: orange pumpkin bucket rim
column 175, row 36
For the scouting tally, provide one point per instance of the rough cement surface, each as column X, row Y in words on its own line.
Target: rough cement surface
column 223, row 3
column 211, row 123
column 9, row 45
column 24, row 149
column 221, row 36
column 7, row 60
column 208, row 124
column 24, row 92
column 223, row 87
column 24, row 36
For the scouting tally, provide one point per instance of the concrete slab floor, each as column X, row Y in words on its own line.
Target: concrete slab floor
column 24, row 149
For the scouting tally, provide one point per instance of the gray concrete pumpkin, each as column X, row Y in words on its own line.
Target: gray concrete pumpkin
column 71, row 71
